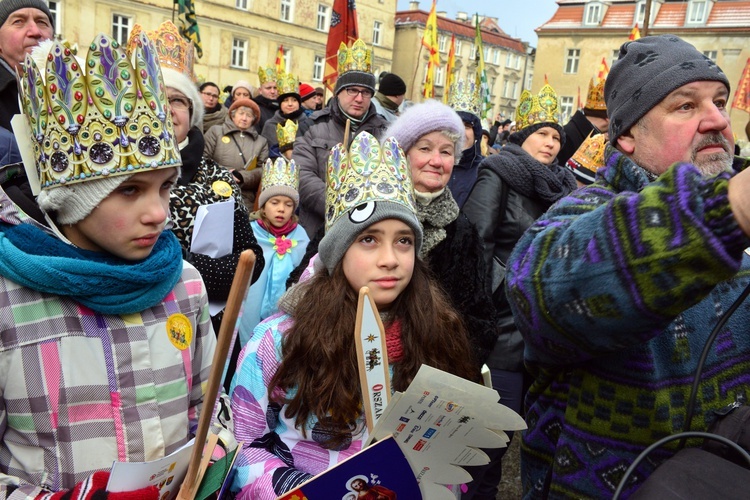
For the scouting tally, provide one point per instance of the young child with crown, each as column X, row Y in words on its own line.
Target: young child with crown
column 280, row 236
column 290, row 111
column 106, row 341
column 296, row 396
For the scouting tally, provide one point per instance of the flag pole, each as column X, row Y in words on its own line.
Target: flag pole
column 416, row 69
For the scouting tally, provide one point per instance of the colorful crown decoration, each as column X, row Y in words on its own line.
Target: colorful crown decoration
column 595, row 97
column 287, row 83
column 590, row 154
column 267, row 74
column 173, row 50
column 465, row 96
column 286, row 134
column 108, row 118
column 367, row 172
column 355, row 58
column 280, row 173
column 540, row 108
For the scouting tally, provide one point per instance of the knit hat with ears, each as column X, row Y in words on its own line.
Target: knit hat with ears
column 180, row 81
column 247, row 103
column 421, row 119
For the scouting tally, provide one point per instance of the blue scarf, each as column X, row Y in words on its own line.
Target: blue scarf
column 98, row 280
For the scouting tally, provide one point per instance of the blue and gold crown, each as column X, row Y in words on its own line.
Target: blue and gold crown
column 287, row 133
column 173, row 49
column 355, row 58
column 367, row 172
column 540, row 108
column 465, row 96
column 287, row 83
column 109, row 117
column 267, row 74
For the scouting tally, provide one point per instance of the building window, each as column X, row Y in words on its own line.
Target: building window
column 514, row 95
column 506, row 88
column 615, row 57
column 286, row 10
column 518, row 61
column 288, row 60
column 711, row 54
column 529, row 79
column 242, row 4
column 571, row 62
column 322, row 24
column 443, row 44
column 377, row 30
column 593, row 13
column 239, row 53
column 697, row 11
column 120, row 28
column 458, row 48
column 473, row 52
column 55, row 8
column 508, row 59
column 496, row 56
column 486, row 54
column 318, row 64
column 440, row 76
column 566, row 107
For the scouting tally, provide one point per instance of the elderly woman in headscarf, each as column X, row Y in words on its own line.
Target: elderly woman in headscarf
column 432, row 135
column 513, row 188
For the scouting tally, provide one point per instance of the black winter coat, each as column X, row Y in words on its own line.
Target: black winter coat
column 576, row 131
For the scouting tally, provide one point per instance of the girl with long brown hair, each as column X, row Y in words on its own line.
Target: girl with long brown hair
column 296, row 396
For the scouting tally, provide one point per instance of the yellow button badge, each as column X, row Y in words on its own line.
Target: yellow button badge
column 180, row 331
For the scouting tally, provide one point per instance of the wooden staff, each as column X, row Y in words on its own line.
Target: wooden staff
column 231, row 312
column 346, row 134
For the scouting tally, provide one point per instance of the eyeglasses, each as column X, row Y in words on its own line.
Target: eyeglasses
column 209, row 94
column 180, row 103
column 352, row 92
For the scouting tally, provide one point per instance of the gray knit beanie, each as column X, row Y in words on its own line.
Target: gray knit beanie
column 73, row 203
column 8, row 7
column 647, row 70
column 421, row 119
column 355, row 77
column 349, row 225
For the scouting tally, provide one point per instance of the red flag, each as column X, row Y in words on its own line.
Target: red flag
column 280, row 60
column 343, row 29
column 742, row 94
column 603, row 70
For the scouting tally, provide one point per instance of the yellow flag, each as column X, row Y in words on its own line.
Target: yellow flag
column 280, row 62
column 449, row 69
column 430, row 41
column 635, row 33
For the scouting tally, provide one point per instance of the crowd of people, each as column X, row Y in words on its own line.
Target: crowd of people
column 583, row 263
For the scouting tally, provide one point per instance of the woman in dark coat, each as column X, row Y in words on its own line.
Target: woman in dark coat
column 513, row 188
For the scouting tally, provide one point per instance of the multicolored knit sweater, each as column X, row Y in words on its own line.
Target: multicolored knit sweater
column 616, row 289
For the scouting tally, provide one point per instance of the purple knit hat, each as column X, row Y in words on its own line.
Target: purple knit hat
column 421, row 119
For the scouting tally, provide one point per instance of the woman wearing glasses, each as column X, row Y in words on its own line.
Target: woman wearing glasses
column 237, row 146
column 215, row 112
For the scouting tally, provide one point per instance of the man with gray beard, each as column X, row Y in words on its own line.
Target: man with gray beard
column 617, row 287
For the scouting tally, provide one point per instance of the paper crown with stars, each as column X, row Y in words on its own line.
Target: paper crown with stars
column 367, row 172
column 355, row 58
column 173, row 50
column 279, row 178
column 286, row 134
column 287, row 83
column 540, row 108
column 267, row 74
column 464, row 96
column 103, row 117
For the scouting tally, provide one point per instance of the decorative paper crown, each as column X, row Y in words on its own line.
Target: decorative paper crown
column 367, row 172
column 280, row 173
column 464, row 96
column 287, row 84
column 595, row 97
column 355, row 58
column 540, row 108
column 267, row 74
column 111, row 119
column 173, row 50
column 286, row 134
column 590, row 154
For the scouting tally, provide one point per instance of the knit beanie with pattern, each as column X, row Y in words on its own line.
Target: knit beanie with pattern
column 647, row 70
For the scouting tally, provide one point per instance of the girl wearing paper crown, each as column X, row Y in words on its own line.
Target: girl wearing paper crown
column 514, row 188
column 107, row 342
column 202, row 181
column 296, row 396
column 283, row 241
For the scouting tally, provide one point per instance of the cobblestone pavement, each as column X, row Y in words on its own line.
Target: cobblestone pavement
column 510, row 486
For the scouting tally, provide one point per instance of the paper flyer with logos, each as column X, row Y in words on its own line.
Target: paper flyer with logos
column 165, row 473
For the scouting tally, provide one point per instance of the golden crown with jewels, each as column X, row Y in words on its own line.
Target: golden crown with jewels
column 590, row 154
column 595, row 97
column 287, row 83
column 286, row 134
column 267, row 74
column 355, row 58
column 540, row 108
column 367, row 172
column 173, row 49
column 464, row 96
column 279, row 173
column 104, row 117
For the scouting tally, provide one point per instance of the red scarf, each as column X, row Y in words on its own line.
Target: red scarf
column 393, row 343
column 279, row 231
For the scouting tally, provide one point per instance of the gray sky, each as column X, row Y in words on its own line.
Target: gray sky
column 518, row 18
